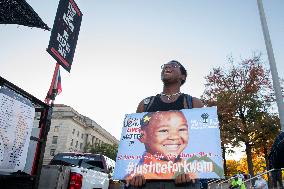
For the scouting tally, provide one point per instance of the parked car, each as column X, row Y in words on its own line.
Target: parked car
column 87, row 171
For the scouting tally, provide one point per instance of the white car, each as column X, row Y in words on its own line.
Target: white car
column 88, row 171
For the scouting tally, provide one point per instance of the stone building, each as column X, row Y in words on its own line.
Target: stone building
column 71, row 132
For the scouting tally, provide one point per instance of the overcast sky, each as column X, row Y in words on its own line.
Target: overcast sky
column 122, row 45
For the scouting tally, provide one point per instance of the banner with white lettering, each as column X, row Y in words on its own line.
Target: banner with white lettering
column 162, row 145
column 16, row 121
column 65, row 32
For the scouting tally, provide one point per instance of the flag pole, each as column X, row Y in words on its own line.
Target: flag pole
column 51, row 94
column 274, row 73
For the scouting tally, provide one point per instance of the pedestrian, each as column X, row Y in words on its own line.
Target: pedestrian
column 277, row 178
column 237, row 183
column 173, row 76
column 260, row 183
column 240, row 175
column 276, row 157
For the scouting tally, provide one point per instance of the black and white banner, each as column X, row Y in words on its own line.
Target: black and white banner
column 65, row 32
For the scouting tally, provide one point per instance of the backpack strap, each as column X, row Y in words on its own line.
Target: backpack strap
column 189, row 101
column 148, row 102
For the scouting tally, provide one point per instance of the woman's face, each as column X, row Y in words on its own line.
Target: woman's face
column 171, row 73
column 166, row 134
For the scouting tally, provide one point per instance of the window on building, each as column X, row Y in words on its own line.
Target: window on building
column 56, row 128
column 93, row 140
column 71, row 144
column 76, row 145
column 82, row 136
column 78, row 134
column 54, row 139
column 81, row 146
column 52, row 152
column 73, row 131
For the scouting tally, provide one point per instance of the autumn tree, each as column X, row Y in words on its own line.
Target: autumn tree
column 232, row 166
column 225, row 120
column 268, row 127
column 242, row 92
column 258, row 161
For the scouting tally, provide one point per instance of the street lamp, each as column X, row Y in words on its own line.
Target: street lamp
column 274, row 73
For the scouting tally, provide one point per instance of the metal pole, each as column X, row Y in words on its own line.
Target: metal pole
column 45, row 117
column 275, row 78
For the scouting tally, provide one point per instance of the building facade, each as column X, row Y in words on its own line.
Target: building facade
column 71, row 132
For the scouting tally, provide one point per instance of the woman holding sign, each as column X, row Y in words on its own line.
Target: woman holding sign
column 173, row 75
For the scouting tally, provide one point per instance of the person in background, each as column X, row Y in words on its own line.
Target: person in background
column 237, row 183
column 173, row 76
column 203, row 183
column 240, row 175
column 260, row 183
column 276, row 160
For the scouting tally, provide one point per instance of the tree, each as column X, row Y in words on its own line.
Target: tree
column 104, row 149
column 258, row 163
column 268, row 128
column 242, row 93
column 232, row 166
column 225, row 119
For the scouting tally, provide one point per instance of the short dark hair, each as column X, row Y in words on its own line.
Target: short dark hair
column 145, row 120
column 182, row 69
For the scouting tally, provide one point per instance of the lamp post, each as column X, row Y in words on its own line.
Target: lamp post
column 274, row 73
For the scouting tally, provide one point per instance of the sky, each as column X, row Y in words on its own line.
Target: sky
column 122, row 45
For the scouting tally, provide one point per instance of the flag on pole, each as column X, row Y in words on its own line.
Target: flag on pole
column 55, row 86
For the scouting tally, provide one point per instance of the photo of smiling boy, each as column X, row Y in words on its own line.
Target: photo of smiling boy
column 165, row 135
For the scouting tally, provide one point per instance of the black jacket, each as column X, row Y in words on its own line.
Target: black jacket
column 276, row 156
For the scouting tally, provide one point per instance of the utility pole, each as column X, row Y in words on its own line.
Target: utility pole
column 275, row 78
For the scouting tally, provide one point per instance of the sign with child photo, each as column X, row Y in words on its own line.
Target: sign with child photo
column 161, row 145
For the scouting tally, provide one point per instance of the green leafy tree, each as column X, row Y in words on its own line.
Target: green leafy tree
column 104, row 149
column 242, row 93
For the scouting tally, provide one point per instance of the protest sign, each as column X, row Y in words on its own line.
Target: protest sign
column 65, row 32
column 161, row 145
column 16, row 121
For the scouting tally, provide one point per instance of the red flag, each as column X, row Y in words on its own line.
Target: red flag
column 55, row 86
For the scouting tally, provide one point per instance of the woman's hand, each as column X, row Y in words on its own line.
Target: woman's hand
column 185, row 178
column 136, row 181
